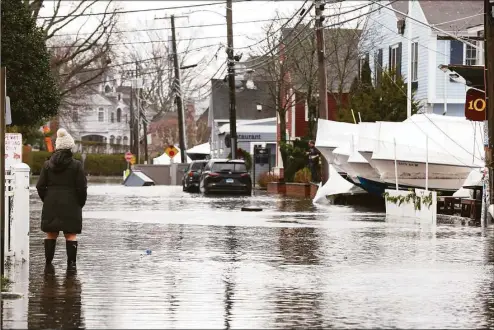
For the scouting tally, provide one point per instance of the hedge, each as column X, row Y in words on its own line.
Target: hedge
column 96, row 164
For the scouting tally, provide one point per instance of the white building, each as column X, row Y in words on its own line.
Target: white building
column 387, row 46
column 99, row 121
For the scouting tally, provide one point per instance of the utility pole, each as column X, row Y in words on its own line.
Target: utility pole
column 131, row 121
column 489, row 86
column 137, row 119
column 145, row 130
column 3, row 91
column 321, row 61
column 178, row 92
column 231, row 78
column 409, row 61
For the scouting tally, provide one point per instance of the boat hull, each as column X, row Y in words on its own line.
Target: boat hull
column 413, row 174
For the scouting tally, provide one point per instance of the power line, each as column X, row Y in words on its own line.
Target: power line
column 148, row 41
column 177, row 27
column 142, row 42
column 137, row 10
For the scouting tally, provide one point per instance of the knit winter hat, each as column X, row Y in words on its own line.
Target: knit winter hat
column 64, row 140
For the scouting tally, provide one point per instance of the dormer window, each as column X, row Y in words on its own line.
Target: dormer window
column 107, row 89
column 119, row 97
column 119, row 115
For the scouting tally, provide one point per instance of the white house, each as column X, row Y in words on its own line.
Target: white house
column 386, row 45
column 99, row 120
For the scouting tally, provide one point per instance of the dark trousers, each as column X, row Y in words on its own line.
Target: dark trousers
column 313, row 172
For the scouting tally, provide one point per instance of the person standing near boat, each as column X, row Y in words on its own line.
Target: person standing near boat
column 313, row 161
column 62, row 186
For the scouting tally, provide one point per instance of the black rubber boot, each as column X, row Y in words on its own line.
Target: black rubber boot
column 50, row 250
column 71, row 247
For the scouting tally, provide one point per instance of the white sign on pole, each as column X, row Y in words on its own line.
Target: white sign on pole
column 13, row 149
column 8, row 111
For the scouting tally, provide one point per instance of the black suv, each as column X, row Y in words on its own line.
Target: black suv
column 225, row 176
column 192, row 174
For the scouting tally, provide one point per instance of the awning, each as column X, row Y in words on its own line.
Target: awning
column 473, row 74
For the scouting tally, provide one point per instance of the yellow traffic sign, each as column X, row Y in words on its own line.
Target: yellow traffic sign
column 133, row 160
column 171, row 151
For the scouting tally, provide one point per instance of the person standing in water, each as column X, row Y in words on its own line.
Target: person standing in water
column 62, row 186
column 313, row 161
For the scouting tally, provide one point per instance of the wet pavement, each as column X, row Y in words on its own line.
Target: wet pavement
column 291, row 265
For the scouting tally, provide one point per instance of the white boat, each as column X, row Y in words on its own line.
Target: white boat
column 449, row 144
column 332, row 135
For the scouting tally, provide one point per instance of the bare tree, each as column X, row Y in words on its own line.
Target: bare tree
column 156, row 65
column 78, row 58
column 345, row 45
column 275, row 65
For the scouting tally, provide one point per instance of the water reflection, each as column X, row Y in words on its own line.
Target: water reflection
column 299, row 245
column 58, row 304
column 292, row 265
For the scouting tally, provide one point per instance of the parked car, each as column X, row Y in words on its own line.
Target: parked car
column 192, row 174
column 225, row 176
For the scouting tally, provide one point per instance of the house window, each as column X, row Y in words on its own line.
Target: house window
column 119, row 140
column 107, row 89
column 125, row 140
column 119, row 96
column 112, row 139
column 126, row 118
column 471, row 54
column 361, row 64
column 306, row 110
column 119, row 115
column 378, row 67
column 393, row 57
column 101, row 115
column 112, row 117
column 415, row 61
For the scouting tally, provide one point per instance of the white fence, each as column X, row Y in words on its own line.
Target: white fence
column 16, row 245
column 418, row 204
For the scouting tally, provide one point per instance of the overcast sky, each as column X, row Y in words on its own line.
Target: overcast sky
column 209, row 39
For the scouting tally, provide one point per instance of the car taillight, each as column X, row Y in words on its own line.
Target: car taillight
column 244, row 174
column 191, row 174
column 213, row 174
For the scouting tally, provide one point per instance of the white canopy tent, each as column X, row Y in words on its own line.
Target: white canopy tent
column 202, row 149
column 165, row 160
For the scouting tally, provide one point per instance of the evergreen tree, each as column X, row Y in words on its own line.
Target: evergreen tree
column 386, row 102
column 32, row 89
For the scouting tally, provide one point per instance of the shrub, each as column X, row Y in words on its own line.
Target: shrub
column 267, row 177
column 303, row 176
column 96, row 164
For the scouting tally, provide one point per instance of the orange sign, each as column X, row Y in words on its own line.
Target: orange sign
column 171, row 151
column 49, row 144
column 475, row 105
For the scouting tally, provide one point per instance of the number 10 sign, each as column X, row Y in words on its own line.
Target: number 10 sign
column 475, row 105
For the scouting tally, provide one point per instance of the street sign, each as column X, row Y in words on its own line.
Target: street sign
column 475, row 105
column 8, row 111
column 128, row 156
column 13, row 149
column 171, row 151
column 132, row 160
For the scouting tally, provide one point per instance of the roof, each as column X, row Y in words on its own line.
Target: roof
column 443, row 12
column 246, row 100
column 474, row 75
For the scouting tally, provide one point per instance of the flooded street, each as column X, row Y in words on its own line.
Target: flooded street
column 291, row 265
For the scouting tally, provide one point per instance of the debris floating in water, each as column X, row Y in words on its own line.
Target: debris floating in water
column 251, row 209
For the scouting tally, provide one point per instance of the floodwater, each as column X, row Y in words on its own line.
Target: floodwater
column 291, row 265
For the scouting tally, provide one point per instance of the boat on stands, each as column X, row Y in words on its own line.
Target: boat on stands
column 365, row 153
